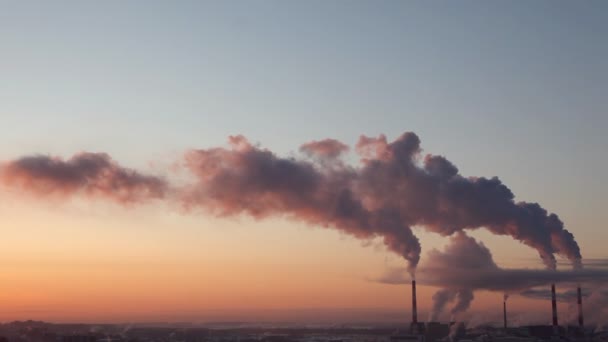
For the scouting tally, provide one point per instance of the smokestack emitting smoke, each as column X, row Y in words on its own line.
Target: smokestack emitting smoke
column 465, row 263
column 579, row 300
column 554, row 307
column 414, row 308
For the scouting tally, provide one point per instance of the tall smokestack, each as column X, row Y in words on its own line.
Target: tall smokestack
column 414, row 326
column 580, row 306
column 504, row 312
column 414, row 306
column 554, row 308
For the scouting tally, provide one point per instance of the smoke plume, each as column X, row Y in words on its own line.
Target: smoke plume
column 392, row 189
column 254, row 181
column 464, row 299
column 440, row 299
column 467, row 264
column 461, row 297
column 462, row 253
column 596, row 307
column 94, row 174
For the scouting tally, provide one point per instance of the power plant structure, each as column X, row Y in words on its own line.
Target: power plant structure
column 437, row 332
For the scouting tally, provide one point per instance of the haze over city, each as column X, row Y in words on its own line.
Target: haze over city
column 303, row 162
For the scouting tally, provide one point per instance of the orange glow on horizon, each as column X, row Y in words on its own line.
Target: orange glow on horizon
column 79, row 262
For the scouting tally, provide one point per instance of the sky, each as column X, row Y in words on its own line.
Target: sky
column 509, row 89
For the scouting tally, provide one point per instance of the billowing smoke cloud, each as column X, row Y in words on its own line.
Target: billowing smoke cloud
column 94, row 174
column 247, row 179
column 457, row 331
column 440, row 299
column 467, row 264
column 596, row 307
column 465, row 297
column 462, row 297
column 462, row 253
column 392, row 189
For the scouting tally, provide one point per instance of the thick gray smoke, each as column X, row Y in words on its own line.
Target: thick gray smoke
column 462, row 298
column 93, row 174
column 596, row 307
column 440, row 299
column 254, row 181
column 392, row 189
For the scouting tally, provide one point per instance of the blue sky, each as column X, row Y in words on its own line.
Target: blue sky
column 514, row 89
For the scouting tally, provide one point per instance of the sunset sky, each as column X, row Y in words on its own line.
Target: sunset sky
column 510, row 89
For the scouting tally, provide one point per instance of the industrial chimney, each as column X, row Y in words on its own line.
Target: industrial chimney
column 554, row 308
column 580, row 307
column 504, row 312
column 414, row 326
column 414, row 308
